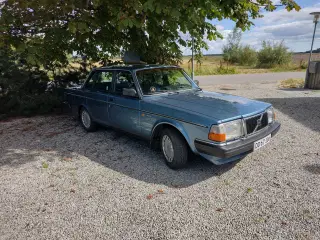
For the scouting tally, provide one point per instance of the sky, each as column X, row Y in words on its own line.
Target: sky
column 294, row 28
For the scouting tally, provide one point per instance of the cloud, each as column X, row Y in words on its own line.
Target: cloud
column 283, row 16
column 298, row 28
column 275, row 2
column 219, row 27
column 296, row 35
column 294, row 28
column 213, row 46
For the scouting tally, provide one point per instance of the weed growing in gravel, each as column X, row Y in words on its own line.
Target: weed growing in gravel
column 249, row 190
column 226, row 182
column 45, row 165
column 292, row 83
column 260, row 220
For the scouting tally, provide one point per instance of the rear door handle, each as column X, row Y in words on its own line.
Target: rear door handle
column 111, row 99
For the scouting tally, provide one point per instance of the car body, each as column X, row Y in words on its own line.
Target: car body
column 164, row 106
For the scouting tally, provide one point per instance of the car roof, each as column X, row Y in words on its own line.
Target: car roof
column 136, row 67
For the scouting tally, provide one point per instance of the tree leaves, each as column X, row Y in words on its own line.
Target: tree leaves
column 103, row 28
column 149, row 5
column 80, row 27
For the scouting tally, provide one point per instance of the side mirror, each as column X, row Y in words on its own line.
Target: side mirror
column 197, row 82
column 131, row 92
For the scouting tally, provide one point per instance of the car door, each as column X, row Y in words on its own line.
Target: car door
column 97, row 91
column 124, row 105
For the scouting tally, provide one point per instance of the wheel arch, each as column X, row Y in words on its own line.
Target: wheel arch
column 81, row 106
column 157, row 129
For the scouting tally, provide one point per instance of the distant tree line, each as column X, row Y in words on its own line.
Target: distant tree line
column 314, row 51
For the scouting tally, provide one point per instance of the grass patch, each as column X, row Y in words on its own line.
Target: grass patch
column 214, row 65
column 212, row 70
column 226, row 70
column 249, row 190
column 292, row 83
column 288, row 68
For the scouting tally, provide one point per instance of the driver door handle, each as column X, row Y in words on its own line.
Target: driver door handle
column 111, row 99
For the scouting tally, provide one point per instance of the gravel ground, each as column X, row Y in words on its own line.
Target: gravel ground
column 59, row 182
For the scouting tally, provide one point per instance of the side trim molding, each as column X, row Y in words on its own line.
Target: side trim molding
column 147, row 112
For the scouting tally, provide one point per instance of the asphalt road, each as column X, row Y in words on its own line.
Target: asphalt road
column 247, row 78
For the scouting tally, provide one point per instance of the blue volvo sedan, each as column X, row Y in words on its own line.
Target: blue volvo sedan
column 164, row 106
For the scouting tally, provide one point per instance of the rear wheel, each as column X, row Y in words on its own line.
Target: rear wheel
column 174, row 148
column 86, row 120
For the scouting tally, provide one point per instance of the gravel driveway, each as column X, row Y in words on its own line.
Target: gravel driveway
column 59, row 182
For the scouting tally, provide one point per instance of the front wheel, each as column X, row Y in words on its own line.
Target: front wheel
column 86, row 120
column 174, row 149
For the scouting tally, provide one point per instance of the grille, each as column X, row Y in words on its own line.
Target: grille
column 251, row 123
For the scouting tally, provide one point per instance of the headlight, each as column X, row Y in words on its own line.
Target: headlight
column 226, row 131
column 271, row 115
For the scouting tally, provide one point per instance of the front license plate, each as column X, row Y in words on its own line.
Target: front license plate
column 260, row 143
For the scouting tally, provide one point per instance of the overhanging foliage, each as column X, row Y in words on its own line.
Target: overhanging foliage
column 45, row 31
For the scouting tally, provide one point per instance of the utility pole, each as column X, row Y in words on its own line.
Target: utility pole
column 314, row 32
column 316, row 20
column 192, row 60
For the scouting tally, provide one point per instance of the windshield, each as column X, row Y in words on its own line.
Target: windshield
column 161, row 80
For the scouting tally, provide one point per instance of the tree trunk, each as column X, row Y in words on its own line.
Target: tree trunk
column 313, row 76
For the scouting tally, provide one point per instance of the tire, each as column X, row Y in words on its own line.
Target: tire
column 86, row 120
column 177, row 156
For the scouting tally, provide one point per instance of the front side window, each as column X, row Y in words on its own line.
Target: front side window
column 160, row 80
column 100, row 81
column 125, row 85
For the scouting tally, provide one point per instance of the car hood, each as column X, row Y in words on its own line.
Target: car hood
column 222, row 107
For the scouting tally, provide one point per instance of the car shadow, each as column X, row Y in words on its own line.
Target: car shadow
column 305, row 110
column 295, row 90
column 138, row 161
column 110, row 148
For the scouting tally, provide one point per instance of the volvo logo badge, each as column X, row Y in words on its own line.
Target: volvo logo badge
column 259, row 123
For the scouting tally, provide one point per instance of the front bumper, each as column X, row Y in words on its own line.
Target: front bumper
column 242, row 146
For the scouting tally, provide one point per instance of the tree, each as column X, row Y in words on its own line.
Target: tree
column 234, row 38
column 231, row 49
column 44, row 31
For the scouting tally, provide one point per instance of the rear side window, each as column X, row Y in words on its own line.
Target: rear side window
column 100, row 81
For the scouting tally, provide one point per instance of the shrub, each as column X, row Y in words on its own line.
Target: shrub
column 273, row 54
column 231, row 54
column 234, row 52
column 24, row 89
column 303, row 64
column 247, row 56
column 225, row 70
